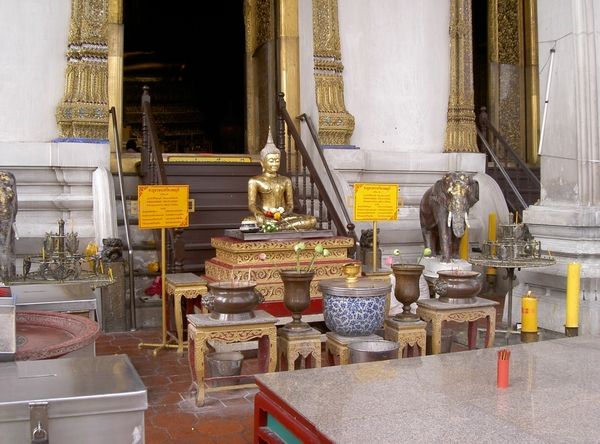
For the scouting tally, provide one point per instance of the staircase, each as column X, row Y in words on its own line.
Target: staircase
column 220, row 194
column 519, row 182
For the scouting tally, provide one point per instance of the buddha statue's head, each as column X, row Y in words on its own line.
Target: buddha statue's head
column 270, row 156
column 269, row 148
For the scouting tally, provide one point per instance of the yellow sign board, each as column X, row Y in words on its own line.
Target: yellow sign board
column 235, row 159
column 375, row 202
column 163, row 206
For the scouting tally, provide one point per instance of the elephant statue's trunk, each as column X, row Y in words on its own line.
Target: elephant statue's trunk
column 457, row 221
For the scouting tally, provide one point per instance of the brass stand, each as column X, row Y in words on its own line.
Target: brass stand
column 166, row 341
column 529, row 336
column 571, row 332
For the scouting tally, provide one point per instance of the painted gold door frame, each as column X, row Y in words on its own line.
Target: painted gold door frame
column 272, row 63
column 513, row 80
column 272, row 66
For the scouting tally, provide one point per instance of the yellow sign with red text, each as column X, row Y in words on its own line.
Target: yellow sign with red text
column 375, row 202
column 163, row 206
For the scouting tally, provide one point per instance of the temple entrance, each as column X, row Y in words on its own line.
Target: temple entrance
column 192, row 56
column 505, row 71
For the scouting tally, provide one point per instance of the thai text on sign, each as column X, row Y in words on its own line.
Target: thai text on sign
column 163, row 206
column 375, row 202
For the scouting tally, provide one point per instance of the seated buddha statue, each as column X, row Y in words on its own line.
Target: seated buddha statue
column 270, row 195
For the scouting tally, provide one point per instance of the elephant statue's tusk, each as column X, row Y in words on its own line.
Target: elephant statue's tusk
column 467, row 220
column 449, row 218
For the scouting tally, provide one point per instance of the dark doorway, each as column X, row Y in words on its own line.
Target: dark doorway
column 191, row 55
column 480, row 54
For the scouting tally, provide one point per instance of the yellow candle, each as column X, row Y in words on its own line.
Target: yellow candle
column 573, row 284
column 464, row 245
column 529, row 314
column 492, row 227
column 492, row 238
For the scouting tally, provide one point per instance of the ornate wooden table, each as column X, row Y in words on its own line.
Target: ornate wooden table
column 437, row 312
column 186, row 285
column 201, row 329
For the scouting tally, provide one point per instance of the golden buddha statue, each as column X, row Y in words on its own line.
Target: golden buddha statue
column 275, row 194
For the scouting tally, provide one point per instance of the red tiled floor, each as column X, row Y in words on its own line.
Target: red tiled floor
column 172, row 416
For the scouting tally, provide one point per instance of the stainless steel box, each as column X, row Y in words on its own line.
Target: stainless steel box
column 90, row 400
column 66, row 297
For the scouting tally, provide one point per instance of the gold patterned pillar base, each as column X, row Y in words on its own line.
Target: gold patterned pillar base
column 461, row 135
column 83, row 111
column 336, row 124
column 82, row 121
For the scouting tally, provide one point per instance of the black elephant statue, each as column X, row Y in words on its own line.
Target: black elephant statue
column 8, row 214
column 444, row 213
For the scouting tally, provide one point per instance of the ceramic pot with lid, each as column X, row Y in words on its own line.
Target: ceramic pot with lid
column 354, row 306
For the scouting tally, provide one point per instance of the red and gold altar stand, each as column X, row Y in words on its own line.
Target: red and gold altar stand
column 238, row 259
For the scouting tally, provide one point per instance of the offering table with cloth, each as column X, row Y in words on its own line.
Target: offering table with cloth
column 238, row 259
column 551, row 397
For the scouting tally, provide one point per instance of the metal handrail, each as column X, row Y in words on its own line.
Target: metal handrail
column 509, row 156
column 125, row 218
column 153, row 167
column 285, row 120
column 502, row 169
column 315, row 137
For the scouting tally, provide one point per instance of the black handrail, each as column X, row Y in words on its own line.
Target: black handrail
column 303, row 117
column 307, row 192
column 504, row 156
column 125, row 217
column 153, row 173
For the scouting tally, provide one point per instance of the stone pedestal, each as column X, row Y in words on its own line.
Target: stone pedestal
column 114, row 305
column 239, row 260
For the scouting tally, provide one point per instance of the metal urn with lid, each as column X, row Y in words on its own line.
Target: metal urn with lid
column 353, row 306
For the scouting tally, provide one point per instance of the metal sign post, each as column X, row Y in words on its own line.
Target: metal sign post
column 163, row 206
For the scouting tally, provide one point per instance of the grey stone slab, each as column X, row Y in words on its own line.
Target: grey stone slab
column 552, row 396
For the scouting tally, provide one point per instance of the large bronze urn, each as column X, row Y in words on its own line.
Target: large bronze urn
column 232, row 301
column 296, row 296
column 457, row 286
column 407, row 289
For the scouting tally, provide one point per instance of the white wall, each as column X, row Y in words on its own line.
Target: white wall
column 396, row 71
column 33, row 45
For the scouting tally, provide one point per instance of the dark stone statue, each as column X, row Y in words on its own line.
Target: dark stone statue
column 444, row 213
column 8, row 214
column 112, row 250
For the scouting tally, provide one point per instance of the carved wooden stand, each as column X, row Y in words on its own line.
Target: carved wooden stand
column 337, row 345
column 186, row 285
column 408, row 334
column 304, row 345
column 202, row 329
column 437, row 312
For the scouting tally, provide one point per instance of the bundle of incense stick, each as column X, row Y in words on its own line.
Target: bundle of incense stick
column 504, row 355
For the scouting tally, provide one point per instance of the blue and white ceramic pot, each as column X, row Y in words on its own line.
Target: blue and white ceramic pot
column 354, row 308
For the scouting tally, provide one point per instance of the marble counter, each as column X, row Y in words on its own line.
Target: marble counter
column 553, row 396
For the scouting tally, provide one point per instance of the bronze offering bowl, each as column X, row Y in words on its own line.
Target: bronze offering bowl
column 232, row 301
